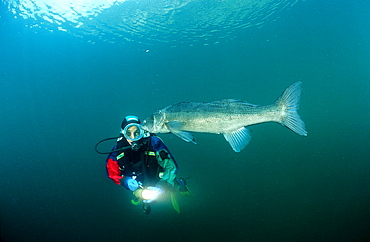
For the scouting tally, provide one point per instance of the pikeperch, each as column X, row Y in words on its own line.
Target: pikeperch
column 228, row 117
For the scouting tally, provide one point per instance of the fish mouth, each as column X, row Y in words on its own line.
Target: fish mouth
column 144, row 127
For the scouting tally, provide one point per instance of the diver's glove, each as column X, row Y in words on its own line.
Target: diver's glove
column 129, row 183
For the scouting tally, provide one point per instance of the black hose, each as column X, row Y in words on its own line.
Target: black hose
column 104, row 153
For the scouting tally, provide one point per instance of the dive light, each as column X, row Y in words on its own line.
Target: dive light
column 148, row 194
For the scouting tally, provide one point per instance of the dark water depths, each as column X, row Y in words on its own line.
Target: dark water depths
column 64, row 90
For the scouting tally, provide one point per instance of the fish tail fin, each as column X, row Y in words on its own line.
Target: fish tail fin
column 288, row 102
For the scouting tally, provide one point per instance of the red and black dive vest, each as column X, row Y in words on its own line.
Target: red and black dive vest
column 141, row 163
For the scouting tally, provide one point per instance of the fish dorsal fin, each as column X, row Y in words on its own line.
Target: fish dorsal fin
column 238, row 139
column 234, row 101
column 175, row 128
column 229, row 100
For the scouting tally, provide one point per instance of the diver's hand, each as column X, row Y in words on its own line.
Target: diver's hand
column 129, row 183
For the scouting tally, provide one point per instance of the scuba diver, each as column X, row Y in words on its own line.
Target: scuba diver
column 142, row 163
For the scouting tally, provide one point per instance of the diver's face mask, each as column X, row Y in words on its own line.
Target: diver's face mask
column 134, row 132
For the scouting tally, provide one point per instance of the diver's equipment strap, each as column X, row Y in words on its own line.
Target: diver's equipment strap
column 120, row 155
column 152, row 153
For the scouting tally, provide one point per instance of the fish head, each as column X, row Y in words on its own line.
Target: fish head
column 155, row 123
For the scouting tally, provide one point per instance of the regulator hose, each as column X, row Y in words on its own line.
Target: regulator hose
column 104, row 153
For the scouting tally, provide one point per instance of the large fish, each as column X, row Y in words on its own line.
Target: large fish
column 228, row 117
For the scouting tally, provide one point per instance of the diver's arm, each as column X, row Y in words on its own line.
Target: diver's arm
column 165, row 160
column 113, row 170
column 169, row 167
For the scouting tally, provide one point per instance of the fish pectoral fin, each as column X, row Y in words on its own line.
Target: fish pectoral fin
column 238, row 139
column 174, row 125
column 188, row 137
column 175, row 128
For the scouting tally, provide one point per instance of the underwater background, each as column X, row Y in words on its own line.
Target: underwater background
column 70, row 72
